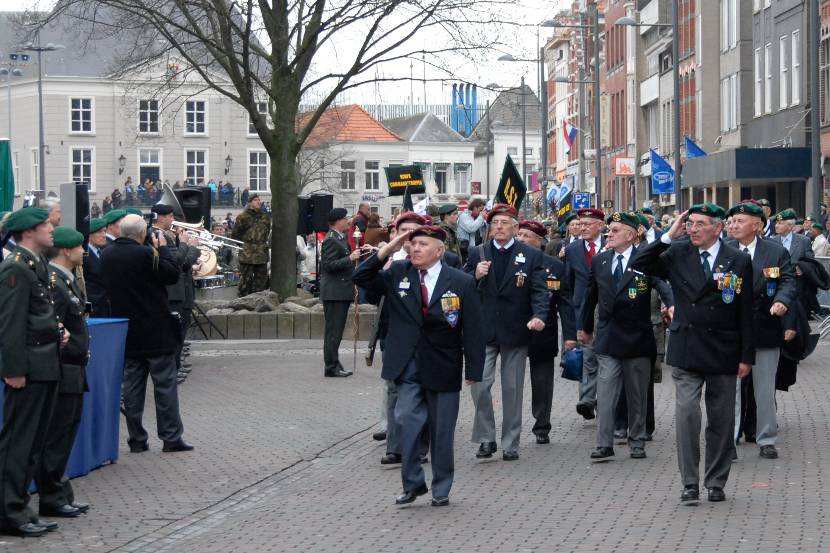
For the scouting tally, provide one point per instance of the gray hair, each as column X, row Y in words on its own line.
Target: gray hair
column 49, row 203
column 133, row 227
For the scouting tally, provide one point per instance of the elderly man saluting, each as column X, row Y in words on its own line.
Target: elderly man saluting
column 435, row 326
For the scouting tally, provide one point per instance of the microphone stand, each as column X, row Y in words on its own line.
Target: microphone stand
column 357, row 235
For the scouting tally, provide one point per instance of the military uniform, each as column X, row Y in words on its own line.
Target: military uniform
column 252, row 228
column 451, row 243
column 336, row 293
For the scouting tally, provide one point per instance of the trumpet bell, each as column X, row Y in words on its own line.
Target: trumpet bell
column 168, row 197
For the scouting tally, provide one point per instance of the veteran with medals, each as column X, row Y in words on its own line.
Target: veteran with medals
column 711, row 338
column 435, row 326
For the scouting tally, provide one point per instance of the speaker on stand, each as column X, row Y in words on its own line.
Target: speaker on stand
column 312, row 217
column 75, row 206
column 196, row 202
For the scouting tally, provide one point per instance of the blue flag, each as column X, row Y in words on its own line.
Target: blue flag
column 693, row 150
column 662, row 175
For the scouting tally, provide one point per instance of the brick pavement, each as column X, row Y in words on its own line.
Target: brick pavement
column 285, row 462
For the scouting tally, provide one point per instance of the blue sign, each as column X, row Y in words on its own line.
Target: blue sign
column 662, row 175
column 582, row 200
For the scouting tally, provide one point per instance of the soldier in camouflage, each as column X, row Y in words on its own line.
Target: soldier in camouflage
column 253, row 227
column 449, row 219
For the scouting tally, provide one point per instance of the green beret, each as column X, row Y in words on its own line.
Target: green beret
column 643, row 220
column 786, row 215
column 708, row 209
column 747, row 209
column 115, row 215
column 67, row 237
column 647, row 211
column 97, row 224
column 799, row 221
column 809, row 219
column 446, row 209
column 547, row 222
column 134, row 211
column 26, row 218
column 817, row 226
column 568, row 218
column 625, row 217
column 763, row 202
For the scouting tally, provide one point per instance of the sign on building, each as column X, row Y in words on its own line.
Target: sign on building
column 625, row 166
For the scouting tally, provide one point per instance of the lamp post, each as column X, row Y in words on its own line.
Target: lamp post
column 10, row 72
column 37, row 47
column 815, row 138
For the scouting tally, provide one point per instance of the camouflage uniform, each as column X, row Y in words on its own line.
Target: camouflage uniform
column 451, row 243
column 252, row 227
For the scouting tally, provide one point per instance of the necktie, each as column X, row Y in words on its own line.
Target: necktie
column 424, row 292
column 707, row 269
column 746, row 251
column 592, row 249
column 618, row 270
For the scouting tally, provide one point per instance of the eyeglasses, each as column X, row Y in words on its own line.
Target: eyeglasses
column 696, row 225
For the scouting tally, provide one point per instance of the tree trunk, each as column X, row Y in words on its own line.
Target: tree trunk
column 284, row 182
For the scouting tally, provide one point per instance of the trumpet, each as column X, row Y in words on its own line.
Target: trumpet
column 207, row 239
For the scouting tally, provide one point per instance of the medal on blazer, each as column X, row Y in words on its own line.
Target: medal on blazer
column 772, row 273
column 729, row 284
column 552, row 282
column 641, row 283
column 520, row 279
column 632, row 293
column 404, row 284
column 520, row 258
column 451, row 306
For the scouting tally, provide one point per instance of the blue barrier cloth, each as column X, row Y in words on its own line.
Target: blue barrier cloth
column 97, row 440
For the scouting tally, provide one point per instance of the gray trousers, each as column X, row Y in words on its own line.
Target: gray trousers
column 613, row 372
column 162, row 369
column 590, row 368
column 763, row 384
column 513, row 361
column 416, row 408
column 335, row 314
column 720, row 425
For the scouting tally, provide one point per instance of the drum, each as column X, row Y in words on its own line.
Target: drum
column 208, row 282
column 208, row 264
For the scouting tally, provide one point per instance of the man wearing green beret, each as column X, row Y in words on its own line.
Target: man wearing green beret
column 30, row 341
column 819, row 244
column 56, row 495
column 712, row 338
column 449, row 219
column 113, row 220
column 96, row 291
column 797, row 244
column 134, row 211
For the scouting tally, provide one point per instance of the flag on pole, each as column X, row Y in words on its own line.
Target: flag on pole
column 6, row 176
column 693, row 150
column 570, row 135
column 662, row 175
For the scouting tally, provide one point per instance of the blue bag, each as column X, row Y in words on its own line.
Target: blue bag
column 572, row 365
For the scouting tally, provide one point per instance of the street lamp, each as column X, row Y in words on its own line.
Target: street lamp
column 9, row 73
column 626, row 21
column 32, row 47
column 508, row 57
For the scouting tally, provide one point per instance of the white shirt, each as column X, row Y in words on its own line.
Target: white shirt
column 509, row 244
column 751, row 247
column 110, row 236
column 597, row 245
column 713, row 250
column 399, row 255
column 787, row 241
column 650, row 237
column 431, row 278
column 95, row 250
column 626, row 257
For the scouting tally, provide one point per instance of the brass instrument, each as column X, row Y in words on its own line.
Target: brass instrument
column 208, row 239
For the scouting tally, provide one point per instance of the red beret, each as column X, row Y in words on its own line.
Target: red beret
column 502, row 209
column 409, row 216
column 430, row 231
column 592, row 213
column 533, row 226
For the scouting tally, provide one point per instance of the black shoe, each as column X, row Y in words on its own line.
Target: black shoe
column 409, row 496
column 586, row 411
column 63, row 511
column 621, row 434
column 181, row 445
column 649, row 437
column 379, row 436
column 690, row 493
column 638, row 453
column 28, row 530
column 338, row 373
column 510, row 456
column 486, row 450
column 716, row 494
column 390, row 459
column 749, row 438
column 769, row 452
column 423, row 459
column 602, row 453
column 50, row 525
column 187, row 365
column 83, row 507
column 542, row 439
column 440, row 501
column 139, row 448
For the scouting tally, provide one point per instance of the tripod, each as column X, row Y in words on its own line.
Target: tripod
column 194, row 321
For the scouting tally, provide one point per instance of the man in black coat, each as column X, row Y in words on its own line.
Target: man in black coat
column 435, row 324
column 136, row 276
column 96, row 291
column 711, row 338
column 516, row 302
column 544, row 345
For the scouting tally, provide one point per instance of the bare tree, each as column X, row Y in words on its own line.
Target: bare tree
column 318, row 168
column 283, row 51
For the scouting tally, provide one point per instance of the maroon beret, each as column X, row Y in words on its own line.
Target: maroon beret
column 430, row 231
column 502, row 209
column 533, row 226
column 409, row 216
column 591, row 213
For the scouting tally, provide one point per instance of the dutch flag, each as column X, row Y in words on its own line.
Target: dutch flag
column 570, row 135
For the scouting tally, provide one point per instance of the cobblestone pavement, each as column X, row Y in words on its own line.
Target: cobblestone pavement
column 284, row 461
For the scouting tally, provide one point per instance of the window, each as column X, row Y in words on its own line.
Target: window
column 729, row 103
column 81, row 117
column 16, row 171
column 512, row 151
column 528, row 151
column 148, row 116
column 783, row 80
column 372, row 175
column 82, row 166
column 652, row 117
column 258, row 171
column 35, row 169
column 462, row 178
column 729, row 24
column 262, row 108
column 195, row 117
column 796, row 65
column 195, row 167
column 441, row 177
column 347, row 175
column 758, row 83
column 768, row 78
column 149, row 164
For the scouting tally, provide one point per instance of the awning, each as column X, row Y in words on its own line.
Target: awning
column 764, row 165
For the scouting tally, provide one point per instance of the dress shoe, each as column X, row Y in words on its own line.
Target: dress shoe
column 28, row 530
column 486, row 450
column 587, row 411
column 621, row 434
column 339, row 373
column 716, row 494
column 423, row 459
column 440, row 501
column 638, row 453
column 83, row 507
column 409, row 496
column 510, row 456
column 690, row 493
column 390, row 459
column 542, row 439
column 63, row 511
column 769, row 452
column 138, row 448
column 749, row 438
column 181, row 445
column 602, row 453
column 379, row 436
column 50, row 525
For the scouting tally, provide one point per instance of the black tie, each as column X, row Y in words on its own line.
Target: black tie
column 746, row 251
column 618, row 270
column 707, row 269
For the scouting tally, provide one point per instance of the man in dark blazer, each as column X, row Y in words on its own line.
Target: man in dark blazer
column 511, row 281
column 435, row 324
column 712, row 338
column 624, row 343
column 96, row 291
column 336, row 288
column 544, row 345
column 795, row 243
column 773, row 294
column 136, row 277
column 578, row 256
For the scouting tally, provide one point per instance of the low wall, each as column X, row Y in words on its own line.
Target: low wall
column 271, row 326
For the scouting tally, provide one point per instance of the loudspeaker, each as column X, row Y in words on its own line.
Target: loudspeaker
column 304, row 225
column 313, row 213
column 75, row 206
column 195, row 202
